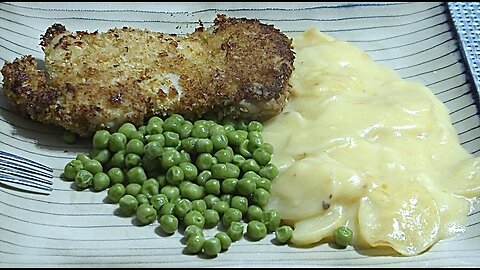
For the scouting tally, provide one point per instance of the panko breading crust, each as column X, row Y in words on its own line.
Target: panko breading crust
column 237, row 68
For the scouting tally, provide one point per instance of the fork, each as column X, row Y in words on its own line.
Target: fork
column 25, row 174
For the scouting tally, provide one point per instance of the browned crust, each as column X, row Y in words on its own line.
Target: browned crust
column 243, row 72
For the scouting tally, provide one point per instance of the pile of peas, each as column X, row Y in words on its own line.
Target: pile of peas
column 194, row 175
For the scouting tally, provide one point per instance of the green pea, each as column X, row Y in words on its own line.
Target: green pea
column 226, row 198
column 70, row 137
column 243, row 149
column 170, row 191
column 261, row 156
column 221, row 207
column 118, row 159
column 233, row 171
column 246, row 186
column 252, row 175
column 102, row 156
column 117, row 142
column 211, row 200
column 203, row 145
column 83, row 157
column 224, row 155
column 170, row 158
column 270, row 171
column 72, row 168
column 150, row 187
column 229, row 185
column 138, row 135
column 231, row 215
column 217, row 129
column 132, row 160
column 235, row 138
column 83, row 179
column 142, row 130
column 189, row 170
column 101, row 181
column 262, row 182
column 199, row 205
column 128, row 205
column 225, row 240
column 93, row 166
column 155, row 119
column 133, row 189
column 228, row 128
column 192, row 230
column 155, row 127
column 219, row 171
column 182, row 207
column 240, row 203
column 172, row 139
column 202, row 177
column 212, row 186
column 127, row 129
column 211, row 218
column 241, row 124
column 136, row 175
column 146, row 214
column 255, row 126
column 255, row 139
column 283, row 234
column 151, row 166
column 116, row 192
column 238, row 160
column 167, row 209
column 185, row 156
column 153, row 149
column 219, row 141
column 256, row 230
column 199, row 130
column 142, row 198
column 172, row 123
column 255, row 212
column 168, row 223
column 212, row 246
column 175, row 175
column 185, row 129
column 204, row 161
column 343, row 236
column 195, row 243
column 116, row 175
column 162, row 180
column 159, row 138
column 250, row 165
column 192, row 191
column 194, row 218
column 235, row 231
column 135, row 146
column 158, row 200
column 260, row 197
column 272, row 219
column 188, row 144
column 101, row 139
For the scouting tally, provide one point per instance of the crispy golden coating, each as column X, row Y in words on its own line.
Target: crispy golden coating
column 237, row 68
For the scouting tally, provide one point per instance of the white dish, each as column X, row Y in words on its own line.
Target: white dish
column 70, row 228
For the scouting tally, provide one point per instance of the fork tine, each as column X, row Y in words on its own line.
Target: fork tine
column 24, row 173
column 21, row 184
column 5, row 156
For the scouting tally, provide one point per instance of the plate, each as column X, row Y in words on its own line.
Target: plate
column 78, row 229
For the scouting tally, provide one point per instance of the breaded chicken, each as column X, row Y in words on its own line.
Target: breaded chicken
column 237, row 68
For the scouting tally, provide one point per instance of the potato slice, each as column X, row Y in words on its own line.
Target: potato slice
column 404, row 217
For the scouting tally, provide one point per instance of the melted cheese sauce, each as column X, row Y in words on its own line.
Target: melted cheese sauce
column 359, row 146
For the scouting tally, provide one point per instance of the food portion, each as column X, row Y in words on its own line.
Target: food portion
column 238, row 68
column 358, row 147
column 191, row 177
